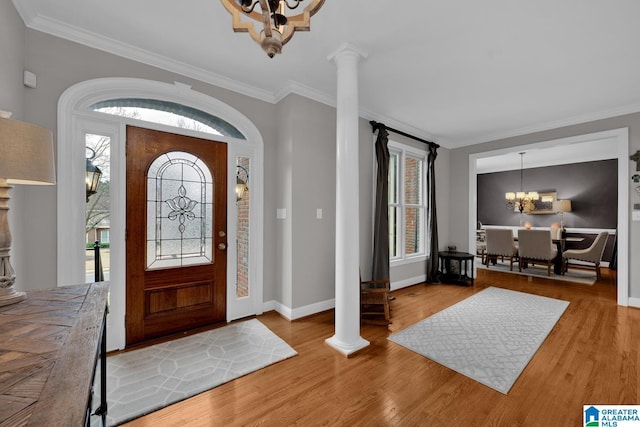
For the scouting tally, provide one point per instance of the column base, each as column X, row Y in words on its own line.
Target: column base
column 348, row 349
column 9, row 296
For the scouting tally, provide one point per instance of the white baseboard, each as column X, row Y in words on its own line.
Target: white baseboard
column 308, row 310
column 297, row 313
column 395, row 285
column 634, row 302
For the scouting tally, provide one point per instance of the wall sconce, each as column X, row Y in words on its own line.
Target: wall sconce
column 241, row 183
column 26, row 157
column 93, row 174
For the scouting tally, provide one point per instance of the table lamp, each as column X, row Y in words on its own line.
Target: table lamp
column 26, row 157
column 562, row 206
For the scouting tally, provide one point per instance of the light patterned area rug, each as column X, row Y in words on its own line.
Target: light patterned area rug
column 145, row 380
column 575, row 275
column 489, row 337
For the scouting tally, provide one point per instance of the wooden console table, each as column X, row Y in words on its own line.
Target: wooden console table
column 49, row 345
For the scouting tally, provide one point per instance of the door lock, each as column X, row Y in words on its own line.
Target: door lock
column 221, row 233
column 222, row 246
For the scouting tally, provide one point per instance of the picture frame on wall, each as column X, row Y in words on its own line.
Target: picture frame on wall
column 544, row 205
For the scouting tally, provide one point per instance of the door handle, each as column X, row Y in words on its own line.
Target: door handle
column 222, row 246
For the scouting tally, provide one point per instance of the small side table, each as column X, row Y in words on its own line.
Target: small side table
column 447, row 271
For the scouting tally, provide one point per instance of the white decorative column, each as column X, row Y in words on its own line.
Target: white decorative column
column 347, row 339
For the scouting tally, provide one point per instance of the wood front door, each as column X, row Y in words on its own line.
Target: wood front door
column 176, row 233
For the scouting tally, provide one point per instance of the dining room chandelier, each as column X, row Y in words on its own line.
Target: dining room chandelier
column 271, row 23
column 522, row 200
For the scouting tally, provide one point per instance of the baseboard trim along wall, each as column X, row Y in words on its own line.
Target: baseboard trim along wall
column 300, row 312
column 634, row 302
column 399, row 284
column 307, row 310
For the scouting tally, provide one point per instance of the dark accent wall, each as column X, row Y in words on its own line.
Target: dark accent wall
column 592, row 188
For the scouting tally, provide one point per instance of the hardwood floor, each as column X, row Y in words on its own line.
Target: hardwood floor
column 590, row 357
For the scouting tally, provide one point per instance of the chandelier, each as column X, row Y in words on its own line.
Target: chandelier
column 271, row 23
column 524, row 201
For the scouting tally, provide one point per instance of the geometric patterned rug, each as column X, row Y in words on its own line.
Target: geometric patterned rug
column 489, row 337
column 145, row 380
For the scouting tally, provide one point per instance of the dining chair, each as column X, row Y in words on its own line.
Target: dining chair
column 590, row 255
column 500, row 243
column 535, row 246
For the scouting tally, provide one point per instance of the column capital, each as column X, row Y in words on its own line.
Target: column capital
column 347, row 49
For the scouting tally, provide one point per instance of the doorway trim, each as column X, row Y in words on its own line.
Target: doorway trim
column 619, row 138
column 75, row 118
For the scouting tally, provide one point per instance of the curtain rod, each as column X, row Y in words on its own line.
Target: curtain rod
column 375, row 125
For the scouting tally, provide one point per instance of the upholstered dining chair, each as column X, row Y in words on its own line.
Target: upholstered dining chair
column 500, row 243
column 535, row 246
column 591, row 255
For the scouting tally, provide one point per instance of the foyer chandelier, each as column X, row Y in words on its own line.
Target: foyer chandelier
column 271, row 23
column 523, row 201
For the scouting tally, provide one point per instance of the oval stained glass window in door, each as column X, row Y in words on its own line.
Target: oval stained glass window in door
column 179, row 211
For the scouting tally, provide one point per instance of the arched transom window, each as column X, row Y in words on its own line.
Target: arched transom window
column 168, row 113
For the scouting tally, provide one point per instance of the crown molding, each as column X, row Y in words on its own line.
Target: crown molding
column 570, row 121
column 96, row 41
column 292, row 86
column 388, row 121
column 26, row 12
column 78, row 35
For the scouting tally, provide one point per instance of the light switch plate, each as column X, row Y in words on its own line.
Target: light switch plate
column 281, row 213
column 635, row 216
column 30, row 79
column 319, row 213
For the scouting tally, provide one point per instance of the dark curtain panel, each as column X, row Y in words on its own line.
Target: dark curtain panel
column 432, row 222
column 380, row 269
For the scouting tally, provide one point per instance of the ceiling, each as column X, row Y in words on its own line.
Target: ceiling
column 457, row 72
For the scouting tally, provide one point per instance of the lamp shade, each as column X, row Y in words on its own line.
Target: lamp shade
column 563, row 206
column 26, row 153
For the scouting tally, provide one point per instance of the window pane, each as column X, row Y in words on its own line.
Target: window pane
column 97, row 222
column 393, row 178
column 180, row 202
column 393, row 232
column 413, row 230
column 168, row 113
column 242, row 279
column 412, row 181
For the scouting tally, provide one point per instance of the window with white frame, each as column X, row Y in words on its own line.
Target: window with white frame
column 407, row 203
